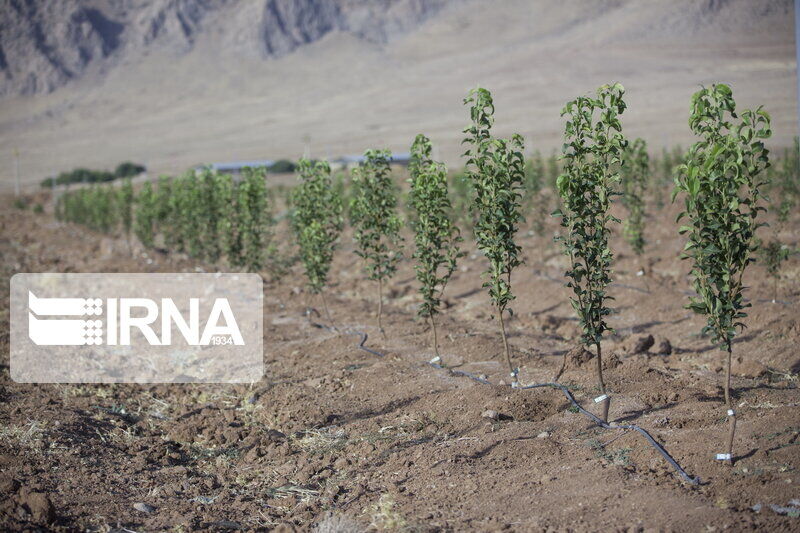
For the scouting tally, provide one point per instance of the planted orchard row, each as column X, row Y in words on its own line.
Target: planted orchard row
column 722, row 179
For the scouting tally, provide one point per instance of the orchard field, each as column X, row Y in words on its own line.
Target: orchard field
column 424, row 417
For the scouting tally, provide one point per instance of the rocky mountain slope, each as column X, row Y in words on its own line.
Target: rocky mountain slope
column 173, row 83
column 45, row 45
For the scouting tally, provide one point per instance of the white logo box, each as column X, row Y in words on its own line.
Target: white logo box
column 136, row 328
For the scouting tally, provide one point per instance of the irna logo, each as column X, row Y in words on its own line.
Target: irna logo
column 137, row 328
column 125, row 317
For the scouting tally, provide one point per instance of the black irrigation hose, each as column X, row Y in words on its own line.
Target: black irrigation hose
column 334, row 329
column 598, row 421
column 605, row 425
column 464, row 373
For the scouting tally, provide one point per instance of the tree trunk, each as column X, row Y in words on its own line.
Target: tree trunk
column 325, row 306
column 607, row 401
column 563, row 367
column 380, row 308
column 729, row 404
column 435, row 338
column 511, row 368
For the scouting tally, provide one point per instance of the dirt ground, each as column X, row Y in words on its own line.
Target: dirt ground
column 338, row 439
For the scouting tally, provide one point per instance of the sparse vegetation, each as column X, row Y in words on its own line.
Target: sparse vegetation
column 384, row 516
column 533, row 199
column 95, row 207
column 125, row 206
column 88, row 176
column 635, row 176
column 146, row 216
column 437, row 239
column 283, row 166
column 373, row 215
column 722, row 183
column 212, row 217
column 496, row 169
column 317, row 222
column 254, row 220
column 593, row 151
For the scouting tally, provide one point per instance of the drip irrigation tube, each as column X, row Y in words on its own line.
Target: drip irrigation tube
column 597, row 420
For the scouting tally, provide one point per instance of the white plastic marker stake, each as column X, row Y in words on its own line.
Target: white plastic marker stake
column 601, row 398
column 435, row 360
column 730, row 412
column 723, row 457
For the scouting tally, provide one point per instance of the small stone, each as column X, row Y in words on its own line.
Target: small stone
column 643, row 344
column 664, row 348
column 40, row 507
column 490, row 414
column 275, row 435
column 543, row 435
column 8, row 485
column 143, row 507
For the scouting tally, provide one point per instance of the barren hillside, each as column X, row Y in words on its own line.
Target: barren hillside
column 178, row 82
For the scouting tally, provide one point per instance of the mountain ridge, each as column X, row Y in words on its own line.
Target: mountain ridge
column 46, row 45
column 194, row 84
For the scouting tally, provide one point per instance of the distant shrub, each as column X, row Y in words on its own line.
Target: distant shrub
column 125, row 199
column 635, row 174
column 146, row 215
column 532, row 197
column 254, row 221
column 376, row 225
column 282, row 165
column 128, row 169
column 316, row 220
column 95, row 207
column 86, row 175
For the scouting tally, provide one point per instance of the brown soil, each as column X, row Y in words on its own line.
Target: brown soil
column 336, row 438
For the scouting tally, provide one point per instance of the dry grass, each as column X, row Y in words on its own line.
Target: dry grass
column 383, row 515
column 29, row 435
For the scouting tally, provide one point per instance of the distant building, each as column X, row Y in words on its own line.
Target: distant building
column 339, row 163
column 236, row 167
column 349, row 161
